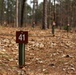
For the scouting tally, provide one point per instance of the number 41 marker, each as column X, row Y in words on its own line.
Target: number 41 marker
column 22, row 37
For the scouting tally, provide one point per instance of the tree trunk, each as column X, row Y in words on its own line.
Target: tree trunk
column 2, row 7
column 17, row 13
column 21, row 12
column 49, row 14
column 8, row 10
column 44, row 24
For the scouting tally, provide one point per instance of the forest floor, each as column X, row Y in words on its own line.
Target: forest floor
column 44, row 54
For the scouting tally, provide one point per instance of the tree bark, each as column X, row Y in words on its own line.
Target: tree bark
column 2, row 7
column 21, row 12
column 49, row 14
column 44, row 24
column 17, row 13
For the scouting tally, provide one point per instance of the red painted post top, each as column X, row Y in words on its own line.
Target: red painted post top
column 22, row 37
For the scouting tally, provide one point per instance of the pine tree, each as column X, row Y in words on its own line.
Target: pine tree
column 44, row 24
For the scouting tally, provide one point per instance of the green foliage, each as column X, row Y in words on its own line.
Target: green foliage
column 40, row 12
column 28, row 9
column 65, row 11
